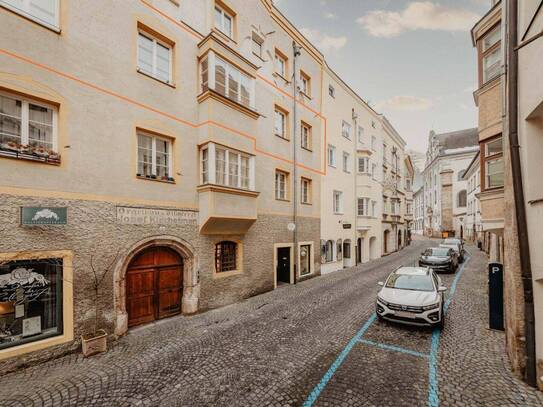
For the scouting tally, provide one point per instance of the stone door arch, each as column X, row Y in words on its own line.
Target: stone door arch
column 191, row 286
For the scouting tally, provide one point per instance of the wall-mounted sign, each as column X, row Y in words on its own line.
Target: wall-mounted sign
column 346, row 226
column 148, row 216
column 40, row 215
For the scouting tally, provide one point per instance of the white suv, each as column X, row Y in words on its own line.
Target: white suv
column 412, row 295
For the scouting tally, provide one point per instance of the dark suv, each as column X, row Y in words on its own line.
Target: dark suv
column 439, row 259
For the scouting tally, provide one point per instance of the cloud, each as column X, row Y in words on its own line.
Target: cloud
column 409, row 103
column 330, row 16
column 326, row 43
column 418, row 15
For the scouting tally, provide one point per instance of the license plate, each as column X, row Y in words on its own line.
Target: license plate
column 405, row 314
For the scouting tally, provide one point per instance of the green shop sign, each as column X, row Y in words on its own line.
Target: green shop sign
column 40, row 215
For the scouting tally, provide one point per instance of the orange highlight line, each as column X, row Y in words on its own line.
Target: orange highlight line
column 191, row 32
column 152, row 109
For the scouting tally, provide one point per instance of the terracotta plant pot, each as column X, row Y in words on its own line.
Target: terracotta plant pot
column 94, row 343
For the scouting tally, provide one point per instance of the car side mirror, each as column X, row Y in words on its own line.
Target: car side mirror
column 381, row 283
column 442, row 289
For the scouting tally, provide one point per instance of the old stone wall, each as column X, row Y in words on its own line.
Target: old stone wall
column 93, row 232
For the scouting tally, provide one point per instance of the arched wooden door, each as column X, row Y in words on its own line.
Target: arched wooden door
column 154, row 285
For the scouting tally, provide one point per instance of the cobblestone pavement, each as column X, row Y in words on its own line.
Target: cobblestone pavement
column 273, row 350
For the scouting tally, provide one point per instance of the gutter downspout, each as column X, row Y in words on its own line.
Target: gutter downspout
column 355, row 176
column 518, row 192
column 296, row 50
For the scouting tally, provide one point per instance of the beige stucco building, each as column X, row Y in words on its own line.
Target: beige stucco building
column 155, row 140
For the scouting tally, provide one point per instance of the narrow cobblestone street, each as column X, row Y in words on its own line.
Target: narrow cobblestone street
column 311, row 343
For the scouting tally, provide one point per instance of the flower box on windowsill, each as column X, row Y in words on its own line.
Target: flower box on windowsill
column 24, row 152
column 169, row 180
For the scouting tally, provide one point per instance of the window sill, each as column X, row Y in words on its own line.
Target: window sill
column 212, row 94
column 149, row 178
column 338, row 213
column 171, row 85
column 306, row 149
column 31, row 18
column 282, row 138
column 277, row 74
column 282, row 200
column 259, row 57
column 308, row 97
column 223, row 35
column 226, row 189
column 29, row 157
column 224, row 274
column 306, row 203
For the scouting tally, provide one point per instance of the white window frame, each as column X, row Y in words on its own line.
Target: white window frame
column 364, row 168
column 331, row 156
column 281, row 194
column 365, row 206
column 346, row 129
column 305, row 82
column 280, row 64
column 25, row 118
column 224, row 14
column 155, row 40
column 25, row 11
column 305, row 188
column 360, row 134
column 212, row 167
column 259, row 41
column 346, row 157
column 212, row 59
column 338, row 202
column 154, row 139
column 305, row 136
column 283, row 117
column 487, row 173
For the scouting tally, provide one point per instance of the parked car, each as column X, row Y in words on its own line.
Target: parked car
column 457, row 248
column 439, row 259
column 412, row 295
column 450, row 240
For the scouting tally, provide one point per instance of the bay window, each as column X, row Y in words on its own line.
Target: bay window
column 154, row 57
column 45, row 13
column 363, row 164
column 493, row 163
column 227, row 80
column 363, row 207
column 227, row 167
column 491, row 55
column 154, row 157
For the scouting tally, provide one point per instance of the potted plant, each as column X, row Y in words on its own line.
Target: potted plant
column 10, row 145
column 96, row 341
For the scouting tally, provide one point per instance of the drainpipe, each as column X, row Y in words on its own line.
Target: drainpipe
column 518, row 191
column 355, row 175
column 296, row 50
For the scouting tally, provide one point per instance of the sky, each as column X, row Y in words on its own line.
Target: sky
column 411, row 60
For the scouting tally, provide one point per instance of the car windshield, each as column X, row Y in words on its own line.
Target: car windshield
column 410, row 282
column 451, row 241
column 437, row 251
column 450, row 246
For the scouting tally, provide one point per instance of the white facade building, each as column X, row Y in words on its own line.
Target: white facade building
column 472, row 222
column 445, row 190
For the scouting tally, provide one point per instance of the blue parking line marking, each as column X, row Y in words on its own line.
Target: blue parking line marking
column 433, row 384
column 337, row 363
column 394, row 348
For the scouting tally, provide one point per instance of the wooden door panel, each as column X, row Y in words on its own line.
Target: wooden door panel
column 154, row 283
